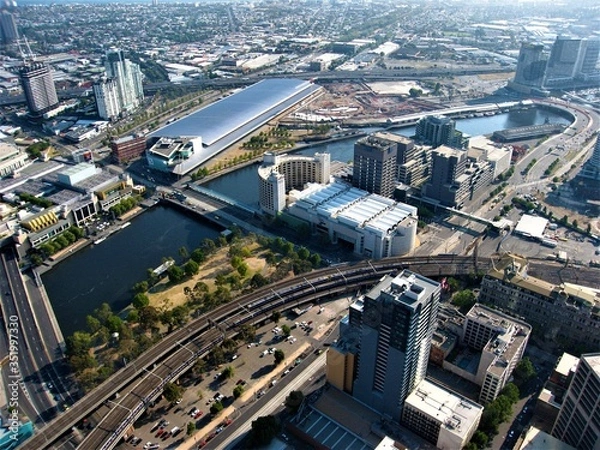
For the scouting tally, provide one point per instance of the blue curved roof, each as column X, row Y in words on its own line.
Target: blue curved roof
column 221, row 118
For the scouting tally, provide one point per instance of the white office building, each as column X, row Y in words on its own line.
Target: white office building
column 444, row 418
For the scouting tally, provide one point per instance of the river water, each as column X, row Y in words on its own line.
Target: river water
column 344, row 150
column 106, row 272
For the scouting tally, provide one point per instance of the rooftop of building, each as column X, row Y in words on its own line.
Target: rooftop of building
column 536, row 439
column 512, row 335
column 533, row 226
column 35, row 170
column 383, row 139
column 76, row 169
column 128, row 138
column 448, row 152
column 513, row 268
column 495, row 319
column 218, row 119
column 437, row 118
column 566, row 364
column 230, row 119
column 593, row 360
column 408, row 288
column 443, row 339
column 451, row 410
column 167, row 147
column 353, row 206
column 7, row 149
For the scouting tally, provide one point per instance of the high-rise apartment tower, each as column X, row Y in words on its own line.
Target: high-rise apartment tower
column 531, row 65
column 398, row 319
column 128, row 78
column 578, row 422
column 38, row 86
column 8, row 28
column 375, row 163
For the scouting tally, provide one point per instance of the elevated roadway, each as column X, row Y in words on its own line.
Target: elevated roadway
column 129, row 391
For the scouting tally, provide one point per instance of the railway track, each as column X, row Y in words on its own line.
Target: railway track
column 142, row 380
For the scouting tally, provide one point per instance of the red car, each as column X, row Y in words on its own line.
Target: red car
column 198, row 415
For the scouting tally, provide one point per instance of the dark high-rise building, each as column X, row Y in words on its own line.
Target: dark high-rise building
column 397, row 321
column 8, row 28
column 531, row 65
column 38, row 86
column 587, row 181
column 439, row 130
column 375, row 163
column 448, row 182
column 562, row 63
column 578, row 422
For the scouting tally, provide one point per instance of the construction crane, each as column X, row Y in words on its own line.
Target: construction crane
column 27, row 55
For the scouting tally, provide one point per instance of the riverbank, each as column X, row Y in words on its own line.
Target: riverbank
column 84, row 242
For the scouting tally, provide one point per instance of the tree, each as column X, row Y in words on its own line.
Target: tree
column 78, row 344
column 140, row 301
column 276, row 316
column 227, row 373
column 414, row 92
column 279, row 356
column 216, row 408
column 264, row 429
column 464, row 299
column 216, row 356
column 198, row 367
column 93, row 324
column 511, row 391
column 243, row 269
column 142, row 286
column 175, row 274
column 453, row 284
column 198, row 256
column 247, row 333
column 191, row 428
column 303, row 253
column 183, row 252
column 524, row 371
column 172, row 392
column 286, row 330
column 238, row 391
column 191, row 268
column 148, row 317
column 294, row 400
column 480, row 439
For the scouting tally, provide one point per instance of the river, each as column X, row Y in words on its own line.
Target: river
column 106, row 272
column 343, row 151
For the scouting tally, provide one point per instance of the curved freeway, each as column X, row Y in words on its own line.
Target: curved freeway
column 129, row 391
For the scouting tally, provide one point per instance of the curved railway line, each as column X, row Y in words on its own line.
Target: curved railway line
column 132, row 388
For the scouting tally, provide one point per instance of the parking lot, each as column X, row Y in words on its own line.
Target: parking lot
column 254, row 369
